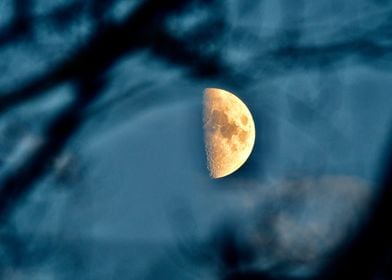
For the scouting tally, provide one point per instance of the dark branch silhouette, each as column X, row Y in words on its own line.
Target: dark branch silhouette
column 146, row 29
column 142, row 30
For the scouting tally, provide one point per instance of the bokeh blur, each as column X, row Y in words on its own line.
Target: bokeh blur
column 102, row 166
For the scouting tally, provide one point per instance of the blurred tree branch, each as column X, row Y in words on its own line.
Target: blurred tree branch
column 145, row 29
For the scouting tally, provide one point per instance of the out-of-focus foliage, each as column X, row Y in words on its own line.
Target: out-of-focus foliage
column 101, row 170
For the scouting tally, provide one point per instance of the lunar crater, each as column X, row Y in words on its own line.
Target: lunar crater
column 229, row 132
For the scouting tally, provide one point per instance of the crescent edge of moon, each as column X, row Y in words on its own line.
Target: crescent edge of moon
column 229, row 132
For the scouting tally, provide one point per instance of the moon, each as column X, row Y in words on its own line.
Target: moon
column 229, row 132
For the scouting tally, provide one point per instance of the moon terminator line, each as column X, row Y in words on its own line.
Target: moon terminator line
column 229, row 132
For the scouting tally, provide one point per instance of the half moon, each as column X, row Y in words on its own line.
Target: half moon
column 229, row 132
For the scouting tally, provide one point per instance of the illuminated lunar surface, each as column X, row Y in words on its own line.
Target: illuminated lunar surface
column 229, row 132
